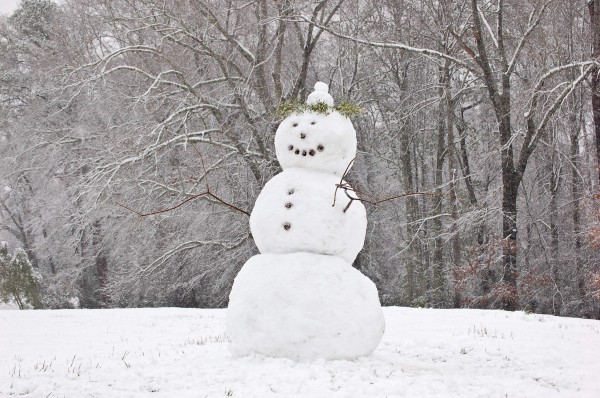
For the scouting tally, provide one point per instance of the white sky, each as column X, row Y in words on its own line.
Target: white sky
column 8, row 6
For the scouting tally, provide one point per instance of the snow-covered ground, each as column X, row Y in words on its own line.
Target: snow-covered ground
column 179, row 353
column 8, row 306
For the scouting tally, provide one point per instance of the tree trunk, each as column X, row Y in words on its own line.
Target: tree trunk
column 594, row 9
column 100, row 262
column 18, row 301
column 510, row 188
column 554, row 240
column 411, row 211
column 464, row 155
column 452, row 170
column 577, row 216
column 510, row 298
column 419, row 255
column 438, row 260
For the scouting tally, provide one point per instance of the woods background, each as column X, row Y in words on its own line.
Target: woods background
column 487, row 103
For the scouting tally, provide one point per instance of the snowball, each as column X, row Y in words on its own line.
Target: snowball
column 316, row 141
column 320, row 86
column 294, row 213
column 303, row 306
column 321, row 94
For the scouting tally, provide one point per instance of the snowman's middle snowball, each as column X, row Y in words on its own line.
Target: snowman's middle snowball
column 294, row 213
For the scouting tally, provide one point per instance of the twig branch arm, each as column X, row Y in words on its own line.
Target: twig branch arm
column 207, row 192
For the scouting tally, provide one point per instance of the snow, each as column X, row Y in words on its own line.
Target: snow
column 321, row 94
column 303, row 306
column 316, row 141
column 321, row 86
column 74, row 301
column 305, row 220
column 182, row 353
column 11, row 305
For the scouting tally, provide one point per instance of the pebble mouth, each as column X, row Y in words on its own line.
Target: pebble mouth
column 304, row 152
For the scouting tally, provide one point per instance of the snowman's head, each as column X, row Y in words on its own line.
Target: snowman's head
column 320, row 141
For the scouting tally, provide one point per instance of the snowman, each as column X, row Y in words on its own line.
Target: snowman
column 301, row 298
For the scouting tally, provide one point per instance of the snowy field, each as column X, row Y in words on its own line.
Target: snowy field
column 183, row 353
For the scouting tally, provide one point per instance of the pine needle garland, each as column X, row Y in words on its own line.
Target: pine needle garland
column 287, row 108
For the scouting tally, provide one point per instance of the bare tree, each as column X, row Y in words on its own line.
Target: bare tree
column 102, row 102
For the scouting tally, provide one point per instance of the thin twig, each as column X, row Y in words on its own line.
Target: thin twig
column 228, row 204
column 351, row 200
column 373, row 199
column 203, row 165
column 378, row 201
column 207, row 193
column 341, row 181
column 153, row 213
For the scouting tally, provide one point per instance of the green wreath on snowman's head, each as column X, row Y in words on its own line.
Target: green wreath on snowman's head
column 319, row 101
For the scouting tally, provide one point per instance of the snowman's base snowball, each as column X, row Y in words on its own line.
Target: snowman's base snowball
column 303, row 306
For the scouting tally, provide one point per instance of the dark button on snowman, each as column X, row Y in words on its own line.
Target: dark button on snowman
column 301, row 298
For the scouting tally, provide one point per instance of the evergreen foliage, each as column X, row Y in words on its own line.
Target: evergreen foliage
column 19, row 281
column 287, row 108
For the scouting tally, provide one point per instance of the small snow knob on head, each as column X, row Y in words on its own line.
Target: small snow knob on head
column 321, row 94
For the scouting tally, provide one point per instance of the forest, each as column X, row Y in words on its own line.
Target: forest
column 488, row 111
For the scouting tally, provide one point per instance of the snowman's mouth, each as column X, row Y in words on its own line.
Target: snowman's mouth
column 304, row 152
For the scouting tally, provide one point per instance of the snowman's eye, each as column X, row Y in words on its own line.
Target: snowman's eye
column 313, row 122
column 295, row 125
